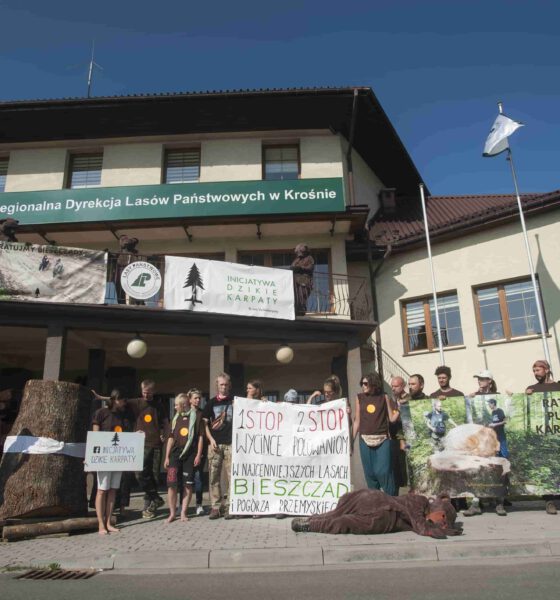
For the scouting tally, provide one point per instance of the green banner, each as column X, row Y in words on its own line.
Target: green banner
column 167, row 201
column 475, row 447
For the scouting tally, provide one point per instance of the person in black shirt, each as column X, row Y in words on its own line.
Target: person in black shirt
column 498, row 424
column 218, row 416
column 416, row 387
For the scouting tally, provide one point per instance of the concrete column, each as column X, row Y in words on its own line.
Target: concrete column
column 217, row 360
column 354, row 372
column 54, row 353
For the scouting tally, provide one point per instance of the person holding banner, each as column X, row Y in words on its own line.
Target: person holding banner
column 373, row 414
column 195, row 398
column 332, row 390
column 443, row 375
column 112, row 418
column 183, row 454
column 255, row 390
column 218, row 416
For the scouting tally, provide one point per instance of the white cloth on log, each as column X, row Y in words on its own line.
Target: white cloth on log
column 30, row 444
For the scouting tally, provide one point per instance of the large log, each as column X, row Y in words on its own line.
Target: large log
column 54, row 484
column 11, row 533
column 461, row 474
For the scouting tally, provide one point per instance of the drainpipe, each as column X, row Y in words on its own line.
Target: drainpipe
column 372, row 275
column 350, row 145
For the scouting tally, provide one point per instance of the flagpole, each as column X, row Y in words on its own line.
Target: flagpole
column 528, row 250
column 427, row 230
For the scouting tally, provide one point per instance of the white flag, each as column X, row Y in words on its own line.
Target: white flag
column 498, row 137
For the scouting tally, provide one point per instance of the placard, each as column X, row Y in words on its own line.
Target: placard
column 288, row 459
column 114, row 451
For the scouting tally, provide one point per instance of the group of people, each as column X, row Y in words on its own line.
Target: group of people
column 196, row 434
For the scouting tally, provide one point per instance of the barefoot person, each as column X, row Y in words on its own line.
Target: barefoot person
column 183, row 454
column 112, row 418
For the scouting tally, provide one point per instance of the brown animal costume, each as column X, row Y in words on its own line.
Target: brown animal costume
column 303, row 267
column 7, row 230
column 373, row 511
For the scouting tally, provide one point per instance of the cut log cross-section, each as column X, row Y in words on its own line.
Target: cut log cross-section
column 37, row 485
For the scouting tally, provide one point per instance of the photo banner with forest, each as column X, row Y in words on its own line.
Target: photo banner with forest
column 52, row 273
column 486, row 446
column 201, row 285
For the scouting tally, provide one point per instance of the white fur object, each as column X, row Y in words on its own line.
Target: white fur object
column 472, row 439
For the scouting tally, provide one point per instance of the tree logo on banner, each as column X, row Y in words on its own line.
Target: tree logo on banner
column 195, row 282
column 115, row 439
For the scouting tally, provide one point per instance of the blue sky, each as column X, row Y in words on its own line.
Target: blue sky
column 437, row 67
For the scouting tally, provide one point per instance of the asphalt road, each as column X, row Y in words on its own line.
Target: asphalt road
column 511, row 580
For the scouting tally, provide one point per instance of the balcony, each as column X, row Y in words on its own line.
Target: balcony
column 333, row 296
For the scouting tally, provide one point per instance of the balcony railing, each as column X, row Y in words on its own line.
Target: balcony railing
column 332, row 296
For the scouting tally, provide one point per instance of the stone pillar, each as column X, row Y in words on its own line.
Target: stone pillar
column 54, row 352
column 354, row 373
column 217, row 360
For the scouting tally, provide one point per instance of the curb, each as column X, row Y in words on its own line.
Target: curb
column 314, row 556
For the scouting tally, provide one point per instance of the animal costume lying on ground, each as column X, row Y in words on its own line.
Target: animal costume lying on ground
column 373, row 511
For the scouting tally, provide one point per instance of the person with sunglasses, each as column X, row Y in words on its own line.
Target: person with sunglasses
column 373, row 414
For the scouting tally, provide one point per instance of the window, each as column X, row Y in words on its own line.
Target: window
column 320, row 299
column 506, row 310
column 281, row 162
column 3, row 173
column 85, row 170
column 181, row 166
column 419, row 323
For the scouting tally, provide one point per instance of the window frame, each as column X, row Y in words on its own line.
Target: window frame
column 69, row 163
column 266, row 147
column 504, row 311
column 432, row 346
column 169, row 150
column 5, row 159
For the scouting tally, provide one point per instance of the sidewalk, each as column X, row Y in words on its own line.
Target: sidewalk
column 268, row 542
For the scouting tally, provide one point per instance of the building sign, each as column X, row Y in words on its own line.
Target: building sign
column 232, row 198
column 486, row 446
column 292, row 459
column 141, row 280
column 114, row 451
column 52, row 273
column 199, row 285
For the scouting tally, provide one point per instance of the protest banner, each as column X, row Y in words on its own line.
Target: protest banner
column 52, row 273
column 200, row 285
column 290, row 459
column 114, row 451
column 486, row 446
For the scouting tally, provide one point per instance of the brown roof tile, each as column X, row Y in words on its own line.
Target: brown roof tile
column 451, row 213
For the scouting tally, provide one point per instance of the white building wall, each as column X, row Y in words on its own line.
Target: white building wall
column 320, row 157
column 231, row 160
column 488, row 256
column 132, row 164
column 38, row 169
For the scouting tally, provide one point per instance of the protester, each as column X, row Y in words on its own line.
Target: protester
column 372, row 416
column 400, row 400
column 255, row 390
column 152, row 421
column 498, row 424
column 111, row 418
column 372, row 512
column 218, row 416
column 291, row 396
column 416, row 387
column 183, row 454
column 195, row 398
column 486, row 384
column 302, row 266
column 331, row 391
column 443, row 375
column 545, row 380
column 545, row 383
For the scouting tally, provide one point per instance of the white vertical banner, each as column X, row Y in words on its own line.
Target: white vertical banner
column 200, row 285
column 289, row 459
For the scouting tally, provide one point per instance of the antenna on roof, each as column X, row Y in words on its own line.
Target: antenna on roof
column 92, row 64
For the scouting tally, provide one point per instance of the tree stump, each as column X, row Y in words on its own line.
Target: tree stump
column 52, row 484
column 461, row 474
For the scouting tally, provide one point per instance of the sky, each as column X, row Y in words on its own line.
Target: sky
column 437, row 67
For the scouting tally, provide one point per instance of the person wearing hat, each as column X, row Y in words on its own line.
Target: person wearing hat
column 291, row 396
column 486, row 383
